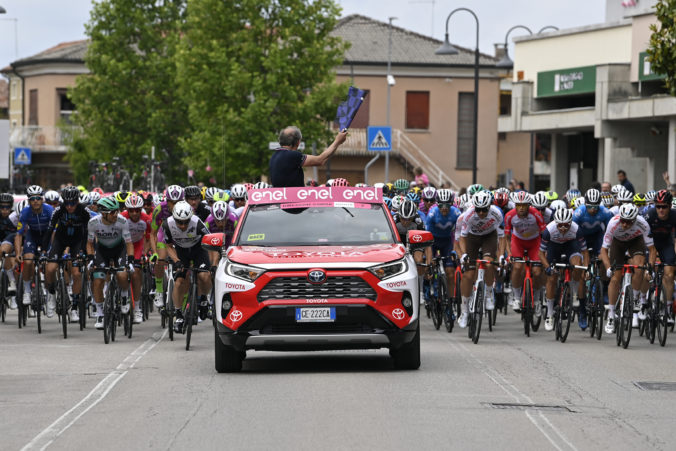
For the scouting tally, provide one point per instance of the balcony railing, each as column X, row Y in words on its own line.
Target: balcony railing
column 40, row 138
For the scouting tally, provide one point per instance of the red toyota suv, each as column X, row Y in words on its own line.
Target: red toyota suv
column 316, row 269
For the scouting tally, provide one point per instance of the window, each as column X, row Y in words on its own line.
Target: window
column 418, row 110
column 361, row 119
column 66, row 106
column 33, row 107
column 465, row 130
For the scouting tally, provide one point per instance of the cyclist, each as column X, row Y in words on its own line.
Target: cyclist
column 7, row 234
column 183, row 232
column 481, row 230
column 401, row 186
column 239, row 196
column 640, row 201
column 441, row 221
column 33, row 225
column 68, row 229
column 222, row 219
column 193, row 196
column 174, row 193
column 109, row 240
column 562, row 237
column 148, row 203
column 523, row 227
column 52, row 198
column 138, row 222
column 209, row 194
column 623, row 197
column 540, row 203
column 662, row 221
column 627, row 232
column 429, row 197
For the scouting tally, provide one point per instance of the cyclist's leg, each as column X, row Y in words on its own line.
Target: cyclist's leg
column 636, row 251
column 518, row 272
column 7, row 247
column 616, row 256
column 489, row 249
column 668, row 257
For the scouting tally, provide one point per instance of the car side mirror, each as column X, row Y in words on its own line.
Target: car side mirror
column 213, row 242
column 418, row 239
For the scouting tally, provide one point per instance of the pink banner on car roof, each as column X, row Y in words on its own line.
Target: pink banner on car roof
column 316, row 196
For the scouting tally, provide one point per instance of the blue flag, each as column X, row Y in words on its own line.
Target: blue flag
column 348, row 109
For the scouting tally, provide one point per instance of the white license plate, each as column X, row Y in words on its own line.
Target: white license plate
column 315, row 314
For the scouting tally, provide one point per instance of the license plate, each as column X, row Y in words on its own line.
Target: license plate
column 315, row 314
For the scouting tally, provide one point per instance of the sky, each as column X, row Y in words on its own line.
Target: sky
column 44, row 23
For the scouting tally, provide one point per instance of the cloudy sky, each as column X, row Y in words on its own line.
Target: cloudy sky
column 44, row 23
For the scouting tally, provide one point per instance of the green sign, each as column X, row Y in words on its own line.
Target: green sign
column 645, row 71
column 565, row 82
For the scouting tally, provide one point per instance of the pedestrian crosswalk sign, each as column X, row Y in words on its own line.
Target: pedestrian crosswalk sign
column 379, row 138
column 22, row 155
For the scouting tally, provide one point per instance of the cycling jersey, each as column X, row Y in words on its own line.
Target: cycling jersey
column 414, row 224
column 230, row 224
column 615, row 231
column 546, row 214
column 202, row 211
column 109, row 236
column 138, row 230
column 35, row 222
column 555, row 244
column 441, row 226
column 528, row 228
column 459, row 224
column 92, row 213
column 7, row 229
column 423, row 210
column 661, row 230
column 592, row 223
column 160, row 213
column 474, row 225
column 188, row 238
column 69, row 227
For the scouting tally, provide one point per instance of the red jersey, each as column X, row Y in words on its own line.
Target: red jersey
column 528, row 228
column 138, row 230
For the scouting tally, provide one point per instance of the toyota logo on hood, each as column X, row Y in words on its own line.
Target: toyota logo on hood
column 316, row 276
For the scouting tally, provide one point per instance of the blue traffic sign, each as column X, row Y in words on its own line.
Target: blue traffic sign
column 379, row 138
column 22, row 155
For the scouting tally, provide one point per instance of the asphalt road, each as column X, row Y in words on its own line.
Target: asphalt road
column 507, row 392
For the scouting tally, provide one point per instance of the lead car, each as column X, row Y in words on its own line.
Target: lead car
column 316, row 269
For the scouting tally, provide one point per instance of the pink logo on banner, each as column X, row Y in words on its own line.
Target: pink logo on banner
column 317, row 196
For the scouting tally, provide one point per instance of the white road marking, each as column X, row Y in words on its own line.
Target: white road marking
column 65, row 421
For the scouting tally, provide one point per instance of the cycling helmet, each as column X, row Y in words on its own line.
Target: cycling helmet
column 639, row 200
column 96, row 190
column 578, row 201
column 563, row 215
column 209, row 193
column 248, row 186
column 501, row 199
column 329, row 182
column 401, row 185
column 360, row 185
column 628, row 212
column 592, row 197
column 408, row 209
column 51, row 196
column 415, row 197
column 650, row 196
column 182, row 211
column 502, row 189
column 34, row 190
column 429, row 193
column 625, row 196
column 108, row 204
column 221, row 196
column 174, row 193
column 539, row 200
column 147, row 196
column 134, row 201
column 607, row 199
column 388, row 202
column 473, row 189
column 261, row 185
column 379, row 185
column 192, row 191
column 20, row 206
column 238, row 191
column 6, row 198
column 445, row 196
column 663, row 197
column 219, row 210
column 94, row 197
column 397, row 201
column 415, row 189
column 85, row 199
column 72, row 194
column 465, row 199
column 121, row 196
column 615, row 189
column 82, row 189
column 552, row 196
column 482, row 199
column 557, row 204
column 522, row 197
column 340, row 182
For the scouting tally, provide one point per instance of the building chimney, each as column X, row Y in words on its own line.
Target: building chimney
column 499, row 50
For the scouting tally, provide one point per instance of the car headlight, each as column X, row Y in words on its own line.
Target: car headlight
column 244, row 272
column 389, row 269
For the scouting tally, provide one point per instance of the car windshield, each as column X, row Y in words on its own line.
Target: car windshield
column 269, row 225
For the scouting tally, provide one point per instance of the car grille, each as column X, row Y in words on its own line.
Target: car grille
column 335, row 287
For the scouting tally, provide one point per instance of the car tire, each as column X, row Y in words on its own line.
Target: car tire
column 407, row 357
column 227, row 358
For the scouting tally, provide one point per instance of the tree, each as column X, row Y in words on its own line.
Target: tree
column 662, row 49
column 129, row 102
column 248, row 68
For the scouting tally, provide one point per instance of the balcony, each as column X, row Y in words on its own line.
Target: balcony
column 40, row 138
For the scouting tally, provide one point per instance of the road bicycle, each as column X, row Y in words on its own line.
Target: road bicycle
column 657, row 314
column 476, row 302
column 38, row 294
column 112, row 312
column 563, row 305
column 530, row 320
column 190, row 306
column 435, row 291
column 168, row 311
column 625, row 301
column 595, row 305
column 86, row 300
column 63, row 302
column 146, row 286
column 4, row 286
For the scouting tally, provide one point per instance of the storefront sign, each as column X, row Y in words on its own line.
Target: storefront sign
column 564, row 82
column 645, row 71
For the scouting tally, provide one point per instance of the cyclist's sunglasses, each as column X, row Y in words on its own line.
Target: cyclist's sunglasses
column 481, row 210
column 134, row 210
column 661, row 207
column 563, row 225
column 627, row 221
column 185, row 222
column 70, row 204
column 5, row 207
column 35, row 198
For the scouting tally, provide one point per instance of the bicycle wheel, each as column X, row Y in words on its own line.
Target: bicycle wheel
column 447, row 307
column 3, row 296
column 600, row 309
column 20, row 308
column 115, row 311
column 627, row 315
column 591, row 310
column 191, row 312
column 558, row 310
column 478, row 311
column 436, row 305
column 37, row 307
column 527, row 314
column 107, row 315
column 661, row 317
column 62, row 302
column 169, row 308
column 566, row 313
column 537, row 320
column 649, row 325
column 83, row 301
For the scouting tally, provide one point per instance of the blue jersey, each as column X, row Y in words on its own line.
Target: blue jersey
column 36, row 223
column 441, row 226
column 592, row 224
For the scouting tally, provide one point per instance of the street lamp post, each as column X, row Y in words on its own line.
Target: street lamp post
column 506, row 62
column 447, row 49
column 390, row 82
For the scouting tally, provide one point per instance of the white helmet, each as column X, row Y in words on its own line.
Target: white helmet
column 85, row 199
column 615, row 189
column 94, row 197
column 261, row 185
column 174, row 193
column 557, row 204
column 625, row 196
column 429, row 193
column 444, row 196
column 563, row 215
column 379, row 185
column 238, row 191
column 539, row 200
column 134, row 201
column 34, row 190
column 20, row 206
column 628, row 212
column 578, row 201
column 397, row 201
column 52, row 196
column 210, row 192
column 592, row 197
column 220, row 210
column 182, row 211
column 482, row 199
column 408, row 209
